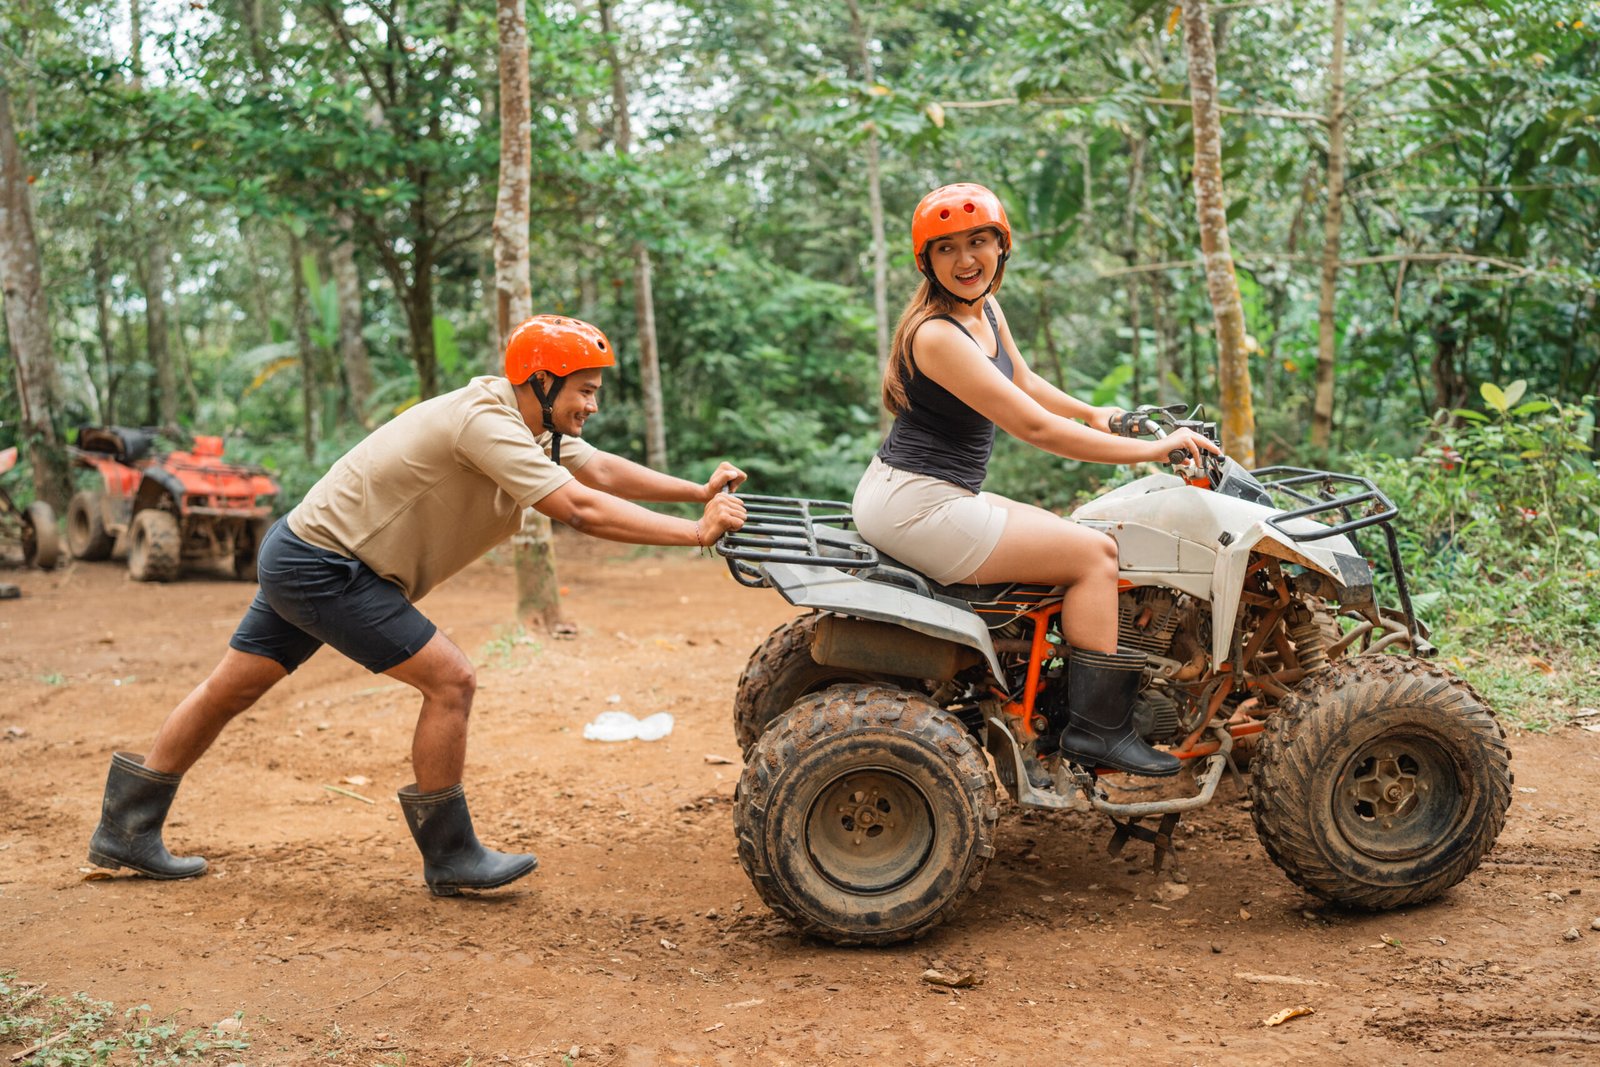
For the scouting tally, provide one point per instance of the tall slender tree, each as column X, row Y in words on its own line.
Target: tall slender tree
column 1332, row 220
column 644, row 301
column 533, row 547
column 27, row 316
column 880, row 247
column 1222, row 286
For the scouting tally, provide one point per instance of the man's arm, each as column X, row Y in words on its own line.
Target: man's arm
column 634, row 481
column 600, row 514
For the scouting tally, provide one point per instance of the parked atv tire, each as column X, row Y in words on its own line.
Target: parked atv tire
column 866, row 815
column 1381, row 781
column 41, row 541
column 246, row 548
column 86, row 529
column 155, row 551
column 780, row 672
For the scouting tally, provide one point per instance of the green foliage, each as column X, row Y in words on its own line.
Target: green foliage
column 1500, row 529
column 77, row 1031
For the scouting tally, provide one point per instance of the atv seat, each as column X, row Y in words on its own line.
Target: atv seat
column 998, row 602
column 123, row 443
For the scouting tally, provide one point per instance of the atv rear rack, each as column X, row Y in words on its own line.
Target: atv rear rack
column 781, row 529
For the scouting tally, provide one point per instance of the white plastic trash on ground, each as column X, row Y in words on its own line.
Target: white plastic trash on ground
column 620, row 726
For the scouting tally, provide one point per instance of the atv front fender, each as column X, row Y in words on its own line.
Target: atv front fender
column 831, row 589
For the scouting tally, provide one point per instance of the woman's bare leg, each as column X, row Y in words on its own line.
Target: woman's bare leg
column 1038, row 546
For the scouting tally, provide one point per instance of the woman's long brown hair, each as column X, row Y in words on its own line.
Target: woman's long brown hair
column 923, row 305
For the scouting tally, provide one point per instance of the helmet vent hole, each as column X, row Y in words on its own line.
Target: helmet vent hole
column 944, row 213
column 968, row 208
column 601, row 345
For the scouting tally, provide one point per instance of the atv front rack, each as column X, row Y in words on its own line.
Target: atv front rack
column 781, row 529
column 1379, row 510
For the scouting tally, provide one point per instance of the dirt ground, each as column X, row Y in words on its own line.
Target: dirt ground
column 639, row 940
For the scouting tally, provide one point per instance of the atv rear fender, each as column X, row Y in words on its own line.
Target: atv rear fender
column 157, row 485
column 946, row 632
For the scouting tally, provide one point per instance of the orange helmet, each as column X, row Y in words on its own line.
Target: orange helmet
column 556, row 344
column 951, row 209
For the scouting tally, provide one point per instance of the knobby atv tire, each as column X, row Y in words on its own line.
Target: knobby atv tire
column 86, row 530
column 41, row 541
column 155, row 550
column 780, row 672
column 1381, row 781
column 866, row 815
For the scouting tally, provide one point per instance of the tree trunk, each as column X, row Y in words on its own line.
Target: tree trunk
column 1131, row 236
column 107, row 407
column 1280, row 291
column 1332, row 219
column 28, row 319
column 533, row 546
column 417, row 295
column 158, row 350
column 1222, row 286
column 1052, row 353
column 352, row 345
column 182, row 362
column 644, row 308
column 302, row 338
column 880, row 247
column 1163, row 328
column 153, row 270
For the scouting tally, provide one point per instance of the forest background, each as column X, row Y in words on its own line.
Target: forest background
column 275, row 221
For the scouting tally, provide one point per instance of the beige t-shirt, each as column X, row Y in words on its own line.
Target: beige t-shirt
column 436, row 487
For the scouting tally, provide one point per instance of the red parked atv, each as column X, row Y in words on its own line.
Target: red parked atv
column 165, row 508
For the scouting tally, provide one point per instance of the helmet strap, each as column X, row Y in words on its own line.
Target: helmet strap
column 547, row 410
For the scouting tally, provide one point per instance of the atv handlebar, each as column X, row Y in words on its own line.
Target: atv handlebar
column 1150, row 420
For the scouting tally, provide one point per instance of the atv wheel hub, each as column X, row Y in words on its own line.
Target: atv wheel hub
column 869, row 831
column 1398, row 798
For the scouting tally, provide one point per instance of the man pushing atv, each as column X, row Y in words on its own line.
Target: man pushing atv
column 418, row 500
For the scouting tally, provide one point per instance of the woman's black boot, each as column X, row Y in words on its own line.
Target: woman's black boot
column 452, row 857
column 1100, row 692
column 129, row 834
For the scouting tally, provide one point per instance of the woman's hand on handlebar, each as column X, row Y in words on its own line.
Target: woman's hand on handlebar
column 1100, row 418
column 1184, row 443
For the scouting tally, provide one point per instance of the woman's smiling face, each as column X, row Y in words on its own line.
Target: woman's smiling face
column 965, row 262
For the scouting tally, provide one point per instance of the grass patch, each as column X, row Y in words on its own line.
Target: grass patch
column 1531, row 687
column 40, row 1031
column 501, row 651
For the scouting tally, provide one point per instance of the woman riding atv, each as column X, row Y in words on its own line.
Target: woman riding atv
column 954, row 375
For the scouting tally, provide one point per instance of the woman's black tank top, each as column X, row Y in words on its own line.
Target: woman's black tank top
column 938, row 434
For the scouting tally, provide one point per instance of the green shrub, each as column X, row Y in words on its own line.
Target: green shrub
column 1500, row 536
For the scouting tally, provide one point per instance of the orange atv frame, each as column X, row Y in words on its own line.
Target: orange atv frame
column 166, row 509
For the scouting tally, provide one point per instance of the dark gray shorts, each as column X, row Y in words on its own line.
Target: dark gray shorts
column 311, row 597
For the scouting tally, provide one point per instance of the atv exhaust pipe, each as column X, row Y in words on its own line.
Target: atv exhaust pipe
column 884, row 648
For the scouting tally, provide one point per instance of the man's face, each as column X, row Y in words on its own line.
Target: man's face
column 578, row 399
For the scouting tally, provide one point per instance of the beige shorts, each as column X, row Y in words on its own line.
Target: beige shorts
column 941, row 529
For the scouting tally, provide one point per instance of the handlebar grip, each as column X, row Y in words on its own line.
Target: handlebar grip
column 1178, row 457
column 1131, row 424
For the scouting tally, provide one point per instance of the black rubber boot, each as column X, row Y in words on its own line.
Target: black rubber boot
column 129, row 834
column 1100, row 691
column 452, row 857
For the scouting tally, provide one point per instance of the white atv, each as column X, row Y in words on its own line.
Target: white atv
column 866, row 811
